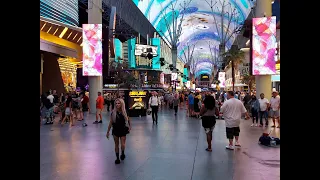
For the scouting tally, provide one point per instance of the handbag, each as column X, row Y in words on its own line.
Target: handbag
column 149, row 111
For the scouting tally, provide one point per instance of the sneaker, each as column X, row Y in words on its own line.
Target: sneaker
column 100, row 121
column 257, row 125
column 84, row 124
column 252, row 125
column 229, row 147
column 260, row 125
column 238, row 144
column 96, row 122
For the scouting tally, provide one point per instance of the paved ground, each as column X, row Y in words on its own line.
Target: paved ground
column 172, row 150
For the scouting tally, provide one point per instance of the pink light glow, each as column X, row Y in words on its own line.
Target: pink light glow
column 92, row 49
column 264, row 46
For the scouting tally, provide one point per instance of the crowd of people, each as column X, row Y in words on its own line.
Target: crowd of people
column 205, row 105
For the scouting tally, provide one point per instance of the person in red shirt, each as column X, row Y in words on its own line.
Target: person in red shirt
column 99, row 108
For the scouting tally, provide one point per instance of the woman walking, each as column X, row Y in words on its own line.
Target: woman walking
column 208, row 111
column 120, row 128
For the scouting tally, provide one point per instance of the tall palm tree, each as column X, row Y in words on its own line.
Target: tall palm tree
column 234, row 57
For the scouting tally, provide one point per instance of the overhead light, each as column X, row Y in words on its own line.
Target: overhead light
column 272, row 2
column 55, row 31
column 75, row 36
column 248, row 43
column 79, row 38
column 49, row 29
column 43, row 26
column 69, row 35
column 63, row 32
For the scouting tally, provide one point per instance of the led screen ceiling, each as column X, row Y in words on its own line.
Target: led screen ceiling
column 198, row 25
column 65, row 11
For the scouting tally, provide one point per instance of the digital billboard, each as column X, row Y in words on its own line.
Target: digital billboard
column 60, row 10
column 143, row 50
column 174, row 76
column 264, row 46
column 222, row 79
column 92, row 49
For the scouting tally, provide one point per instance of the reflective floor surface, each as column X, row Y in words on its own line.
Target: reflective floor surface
column 172, row 150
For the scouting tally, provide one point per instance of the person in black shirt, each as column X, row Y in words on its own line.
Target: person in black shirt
column 120, row 127
column 49, row 110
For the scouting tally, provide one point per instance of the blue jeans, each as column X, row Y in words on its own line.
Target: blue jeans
column 265, row 114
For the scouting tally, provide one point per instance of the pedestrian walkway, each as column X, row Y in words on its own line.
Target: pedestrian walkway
column 172, row 150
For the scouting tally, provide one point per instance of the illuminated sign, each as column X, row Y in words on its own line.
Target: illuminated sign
column 264, row 44
column 174, row 76
column 137, row 99
column 205, row 77
column 143, row 50
column 188, row 84
column 111, row 86
column 92, row 49
column 222, row 79
column 138, row 93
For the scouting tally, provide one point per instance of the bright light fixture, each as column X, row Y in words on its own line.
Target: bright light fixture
column 63, row 32
column 248, row 43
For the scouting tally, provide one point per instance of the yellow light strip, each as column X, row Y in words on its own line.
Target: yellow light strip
column 49, row 29
column 69, row 35
column 63, row 32
column 75, row 36
column 43, row 26
column 79, row 38
column 55, row 31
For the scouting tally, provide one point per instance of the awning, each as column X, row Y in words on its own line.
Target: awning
column 62, row 39
column 61, row 30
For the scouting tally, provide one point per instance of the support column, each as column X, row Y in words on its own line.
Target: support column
column 95, row 82
column 263, row 83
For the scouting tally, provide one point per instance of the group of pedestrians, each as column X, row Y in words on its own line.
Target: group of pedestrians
column 262, row 108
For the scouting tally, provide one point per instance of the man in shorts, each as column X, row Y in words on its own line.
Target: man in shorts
column 99, row 108
column 232, row 111
column 275, row 108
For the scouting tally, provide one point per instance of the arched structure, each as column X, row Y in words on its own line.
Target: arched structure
column 198, row 25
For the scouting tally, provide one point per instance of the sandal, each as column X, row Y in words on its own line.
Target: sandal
column 208, row 149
